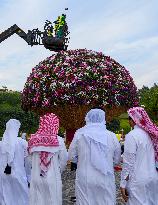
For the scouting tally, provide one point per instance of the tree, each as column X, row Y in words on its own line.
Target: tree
column 10, row 107
column 114, row 125
column 149, row 99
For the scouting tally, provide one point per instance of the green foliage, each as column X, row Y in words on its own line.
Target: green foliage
column 10, row 107
column 149, row 99
column 114, row 125
column 12, row 98
column 125, row 125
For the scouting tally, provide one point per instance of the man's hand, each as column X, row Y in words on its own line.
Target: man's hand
column 124, row 194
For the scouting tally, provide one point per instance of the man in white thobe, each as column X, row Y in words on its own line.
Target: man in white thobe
column 95, row 149
column 139, row 178
column 14, row 175
column 49, row 158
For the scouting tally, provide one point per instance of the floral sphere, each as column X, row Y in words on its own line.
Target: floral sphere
column 79, row 77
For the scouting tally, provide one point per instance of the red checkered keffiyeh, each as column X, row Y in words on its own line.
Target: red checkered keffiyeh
column 46, row 136
column 141, row 118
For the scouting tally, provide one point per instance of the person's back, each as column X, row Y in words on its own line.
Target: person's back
column 49, row 158
column 14, row 186
column 145, row 159
column 143, row 177
column 95, row 149
column 48, row 189
column 84, row 152
column 139, row 178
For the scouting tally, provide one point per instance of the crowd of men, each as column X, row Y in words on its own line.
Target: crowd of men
column 30, row 172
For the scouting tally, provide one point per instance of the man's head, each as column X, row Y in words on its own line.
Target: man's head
column 95, row 116
column 131, row 122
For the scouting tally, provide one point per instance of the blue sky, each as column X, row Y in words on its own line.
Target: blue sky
column 127, row 30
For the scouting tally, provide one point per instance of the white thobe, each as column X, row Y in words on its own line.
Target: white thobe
column 139, row 165
column 47, row 190
column 14, row 187
column 92, row 187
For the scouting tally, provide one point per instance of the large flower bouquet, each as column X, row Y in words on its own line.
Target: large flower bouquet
column 78, row 78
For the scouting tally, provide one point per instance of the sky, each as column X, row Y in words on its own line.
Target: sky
column 126, row 30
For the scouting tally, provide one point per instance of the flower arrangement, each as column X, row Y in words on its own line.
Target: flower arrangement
column 79, row 77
